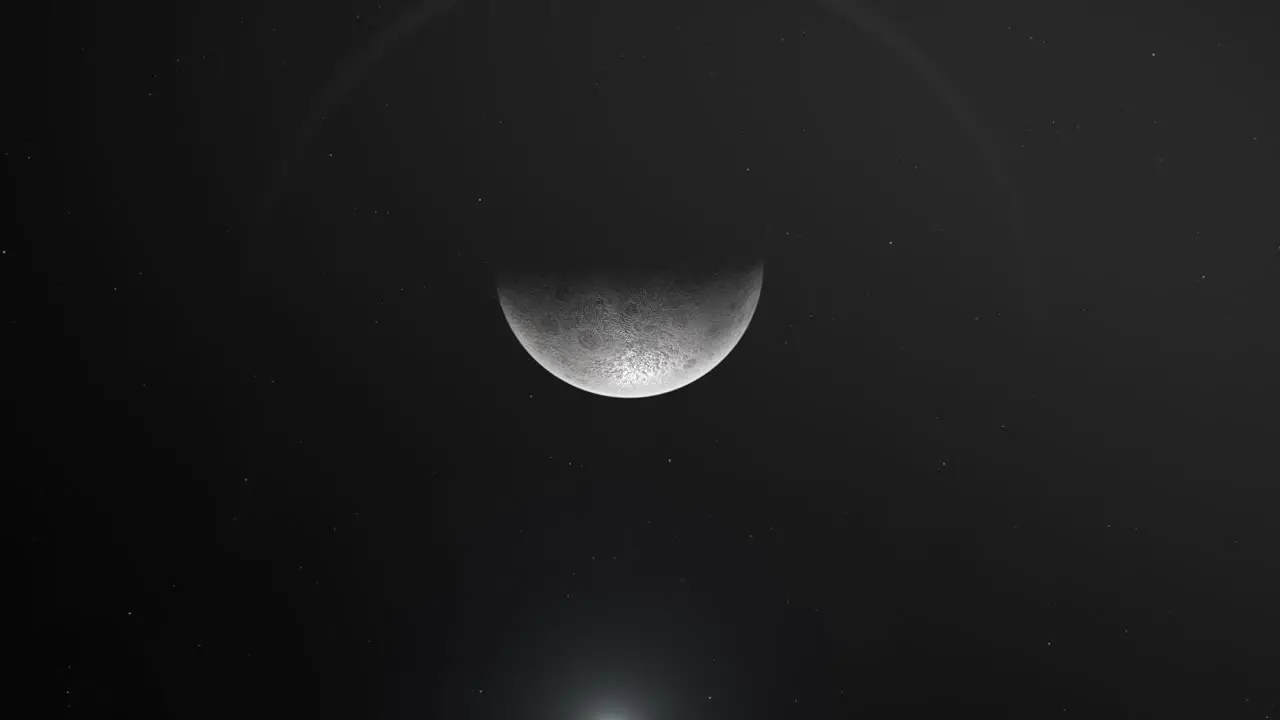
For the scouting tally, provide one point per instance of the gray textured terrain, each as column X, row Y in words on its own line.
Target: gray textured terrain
column 637, row 340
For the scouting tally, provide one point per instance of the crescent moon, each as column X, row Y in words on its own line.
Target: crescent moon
column 631, row 342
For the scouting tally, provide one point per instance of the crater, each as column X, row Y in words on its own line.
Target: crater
column 589, row 339
column 564, row 291
column 549, row 323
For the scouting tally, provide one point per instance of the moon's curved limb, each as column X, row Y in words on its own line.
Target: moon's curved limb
column 631, row 342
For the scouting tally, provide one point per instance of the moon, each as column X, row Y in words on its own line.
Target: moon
column 636, row 338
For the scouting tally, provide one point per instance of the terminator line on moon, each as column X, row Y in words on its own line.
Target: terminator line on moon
column 631, row 340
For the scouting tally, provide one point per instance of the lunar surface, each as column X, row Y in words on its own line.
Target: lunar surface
column 632, row 339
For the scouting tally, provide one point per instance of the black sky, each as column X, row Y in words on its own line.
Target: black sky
column 1000, row 439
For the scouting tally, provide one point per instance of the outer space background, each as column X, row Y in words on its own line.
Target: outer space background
column 1001, row 438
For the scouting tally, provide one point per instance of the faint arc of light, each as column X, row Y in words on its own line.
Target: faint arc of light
column 994, row 164
column 353, row 70
column 351, row 74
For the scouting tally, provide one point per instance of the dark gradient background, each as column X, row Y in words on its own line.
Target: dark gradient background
column 1000, row 440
